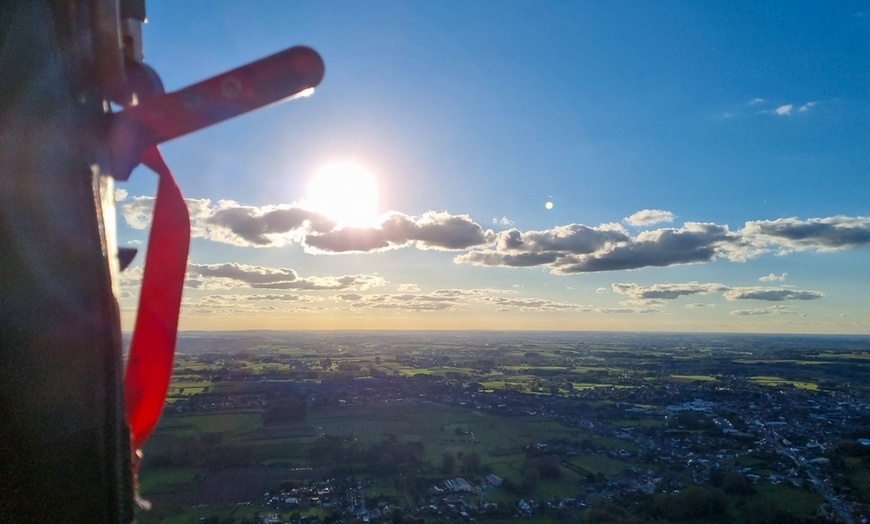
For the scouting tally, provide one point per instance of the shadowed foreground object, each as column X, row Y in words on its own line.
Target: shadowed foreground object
column 64, row 451
column 65, row 448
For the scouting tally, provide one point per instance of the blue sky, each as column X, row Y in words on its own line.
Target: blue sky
column 707, row 166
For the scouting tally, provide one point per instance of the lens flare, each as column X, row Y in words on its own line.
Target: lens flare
column 345, row 192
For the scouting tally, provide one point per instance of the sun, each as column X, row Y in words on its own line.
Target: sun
column 345, row 192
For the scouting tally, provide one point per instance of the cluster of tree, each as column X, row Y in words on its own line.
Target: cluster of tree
column 847, row 459
column 331, row 450
column 448, row 462
column 285, row 410
column 227, row 520
column 207, row 451
column 607, row 511
column 693, row 503
column 759, row 512
column 383, row 458
column 397, row 516
column 732, row 483
column 391, row 456
column 534, row 469
column 470, row 462
column 692, row 420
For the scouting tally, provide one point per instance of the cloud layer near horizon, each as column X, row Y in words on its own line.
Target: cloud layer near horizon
column 274, row 226
column 565, row 249
column 354, row 293
column 231, row 275
column 673, row 291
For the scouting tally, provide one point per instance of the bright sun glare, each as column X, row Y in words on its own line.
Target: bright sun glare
column 345, row 192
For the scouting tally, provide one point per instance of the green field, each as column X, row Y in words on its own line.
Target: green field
column 777, row 381
column 500, row 442
column 859, row 473
column 601, row 464
column 231, row 424
column 385, row 438
column 693, row 378
column 642, row 423
column 789, row 499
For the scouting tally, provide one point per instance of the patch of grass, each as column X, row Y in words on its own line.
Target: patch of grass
column 797, row 501
column 587, row 385
column 177, row 516
column 600, row 464
column 638, row 423
column 859, row 474
column 777, row 381
column 864, row 355
column 759, row 466
column 693, row 378
column 559, row 488
column 613, row 443
column 159, row 480
column 537, row 368
column 230, row 423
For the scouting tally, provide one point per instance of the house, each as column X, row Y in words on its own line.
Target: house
column 494, row 480
column 524, row 507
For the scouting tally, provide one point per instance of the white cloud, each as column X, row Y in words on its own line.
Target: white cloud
column 229, row 222
column 137, row 212
column 120, row 195
column 530, row 304
column 436, row 301
column 232, row 223
column 772, row 294
column 821, row 234
column 755, row 101
column 503, row 221
column 328, row 283
column 231, row 275
column 773, row 277
column 667, row 291
column 456, row 300
column 131, row 277
column 673, row 291
column 578, row 249
column 770, row 310
column 243, row 273
column 227, row 304
column 408, row 288
column 648, row 217
column 565, row 249
column 601, row 291
column 432, row 230
column 237, row 298
column 789, row 109
column 693, row 243
column 625, row 310
column 643, row 302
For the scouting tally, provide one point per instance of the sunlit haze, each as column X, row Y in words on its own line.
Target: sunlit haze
column 346, row 192
column 681, row 166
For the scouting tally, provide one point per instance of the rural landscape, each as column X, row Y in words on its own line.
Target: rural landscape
column 425, row 427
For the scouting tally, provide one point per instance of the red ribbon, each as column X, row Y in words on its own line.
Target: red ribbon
column 152, row 348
